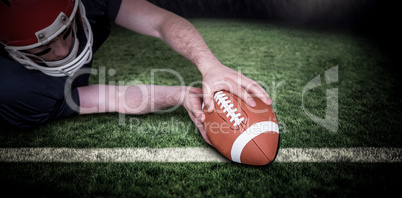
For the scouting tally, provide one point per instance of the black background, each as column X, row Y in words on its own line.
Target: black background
column 375, row 19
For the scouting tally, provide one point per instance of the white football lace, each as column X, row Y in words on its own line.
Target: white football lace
column 226, row 106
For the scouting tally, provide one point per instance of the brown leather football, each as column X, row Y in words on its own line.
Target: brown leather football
column 243, row 134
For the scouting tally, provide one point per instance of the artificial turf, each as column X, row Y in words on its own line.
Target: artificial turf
column 199, row 180
column 283, row 60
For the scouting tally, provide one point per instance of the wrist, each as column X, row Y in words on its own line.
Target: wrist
column 206, row 66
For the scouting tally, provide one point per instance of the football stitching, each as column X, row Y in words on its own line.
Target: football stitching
column 244, row 122
column 226, row 105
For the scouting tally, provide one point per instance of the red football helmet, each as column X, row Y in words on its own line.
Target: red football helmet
column 27, row 24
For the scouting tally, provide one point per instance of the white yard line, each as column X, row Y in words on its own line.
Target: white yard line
column 195, row 154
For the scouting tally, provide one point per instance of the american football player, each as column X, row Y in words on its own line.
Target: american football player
column 48, row 45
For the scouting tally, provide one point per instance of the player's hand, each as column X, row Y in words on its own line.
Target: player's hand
column 192, row 103
column 224, row 78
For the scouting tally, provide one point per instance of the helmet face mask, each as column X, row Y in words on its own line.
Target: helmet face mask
column 44, row 36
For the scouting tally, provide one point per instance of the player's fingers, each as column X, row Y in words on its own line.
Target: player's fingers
column 208, row 95
column 242, row 93
column 195, row 112
column 200, row 127
column 195, row 104
column 198, row 112
column 256, row 90
column 235, row 88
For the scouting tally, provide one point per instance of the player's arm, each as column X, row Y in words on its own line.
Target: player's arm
column 141, row 99
column 136, row 99
column 146, row 18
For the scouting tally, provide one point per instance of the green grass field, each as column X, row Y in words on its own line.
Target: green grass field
column 284, row 60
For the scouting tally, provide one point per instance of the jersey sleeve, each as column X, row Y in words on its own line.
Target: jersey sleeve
column 102, row 9
column 114, row 7
column 30, row 98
